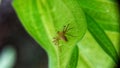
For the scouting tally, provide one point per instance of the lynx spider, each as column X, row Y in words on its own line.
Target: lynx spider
column 61, row 35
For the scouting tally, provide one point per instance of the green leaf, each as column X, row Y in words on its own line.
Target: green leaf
column 104, row 12
column 74, row 58
column 44, row 18
column 91, row 55
column 100, row 36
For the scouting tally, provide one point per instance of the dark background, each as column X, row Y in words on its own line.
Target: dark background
column 29, row 53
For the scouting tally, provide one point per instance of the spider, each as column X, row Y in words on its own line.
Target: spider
column 61, row 35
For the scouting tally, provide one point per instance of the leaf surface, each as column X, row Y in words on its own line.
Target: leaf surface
column 47, row 19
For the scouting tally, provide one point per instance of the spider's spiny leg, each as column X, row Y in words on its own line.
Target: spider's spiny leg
column 65, row 28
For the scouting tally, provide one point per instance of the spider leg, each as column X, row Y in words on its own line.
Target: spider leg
column 56, row 40
column 65, row 28
column 69, row 28
column 71, row 35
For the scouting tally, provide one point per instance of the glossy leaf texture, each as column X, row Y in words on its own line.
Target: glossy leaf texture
column 102, row 39
column 104, row 12
column 46, row 20
column 102, row 16
column 91, row 55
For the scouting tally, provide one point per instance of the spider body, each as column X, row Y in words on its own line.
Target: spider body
column 61, row 35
